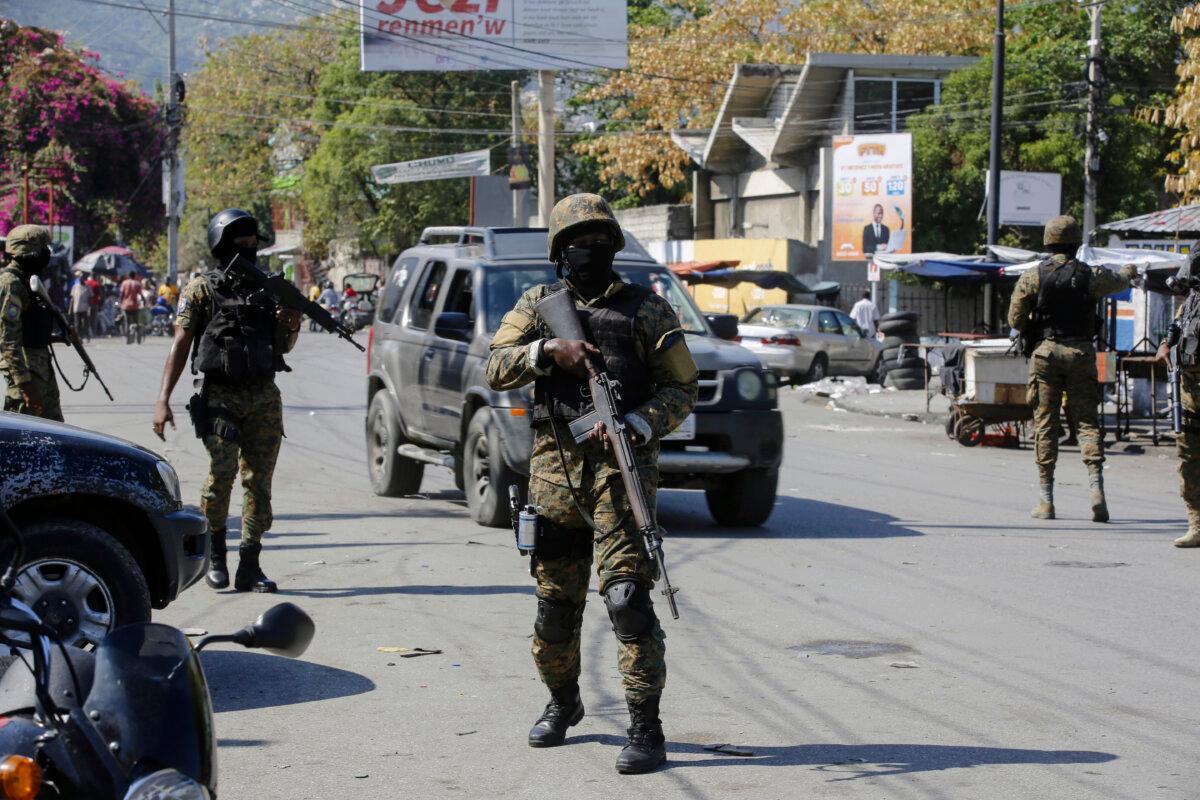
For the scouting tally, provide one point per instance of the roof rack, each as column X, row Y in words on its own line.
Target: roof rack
column 479, row 236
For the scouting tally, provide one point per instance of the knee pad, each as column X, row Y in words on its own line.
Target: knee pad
column 557, row 622
column 629, row 609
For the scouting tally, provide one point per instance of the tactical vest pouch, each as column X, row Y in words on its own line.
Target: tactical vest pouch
column 197, row 408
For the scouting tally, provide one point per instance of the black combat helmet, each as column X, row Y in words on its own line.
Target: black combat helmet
column 227, row 225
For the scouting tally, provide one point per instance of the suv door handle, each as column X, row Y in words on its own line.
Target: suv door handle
column 428, row 354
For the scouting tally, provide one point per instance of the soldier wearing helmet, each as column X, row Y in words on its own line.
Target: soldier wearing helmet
column 1054, row 307
column 237, row 343
column 26, row 327
column 584, row 513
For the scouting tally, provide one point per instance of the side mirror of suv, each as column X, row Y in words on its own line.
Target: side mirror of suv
column 725, row 326
column 453, row 325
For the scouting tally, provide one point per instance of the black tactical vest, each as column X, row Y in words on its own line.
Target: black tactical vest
column 238, row 343
column 1066, row 308
column 1189, row 333
column 37, row 323
column 610, row 326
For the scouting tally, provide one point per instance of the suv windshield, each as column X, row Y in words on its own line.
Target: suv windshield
column 505, row 287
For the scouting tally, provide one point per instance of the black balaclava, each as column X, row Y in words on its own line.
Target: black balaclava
column 34, row 264
column 588, row 267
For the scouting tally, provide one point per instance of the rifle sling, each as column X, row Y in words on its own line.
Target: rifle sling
column 587, row 518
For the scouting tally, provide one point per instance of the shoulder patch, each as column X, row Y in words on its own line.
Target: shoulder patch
column 12, row 311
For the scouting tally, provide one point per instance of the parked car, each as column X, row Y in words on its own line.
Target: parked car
column 806, row 343
column 106, row 535
column 428, row 402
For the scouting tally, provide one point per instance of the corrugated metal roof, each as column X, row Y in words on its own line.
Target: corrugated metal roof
column 1185, row 219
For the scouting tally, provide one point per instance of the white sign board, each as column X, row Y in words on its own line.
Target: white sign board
column 459, row 165
column 65, row 235
column 445, row 35
column 873, row 271
column 1029, row 198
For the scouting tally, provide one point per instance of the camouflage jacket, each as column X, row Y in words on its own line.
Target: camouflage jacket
column 1025, row 294
column 19, row 363
column 672, row 374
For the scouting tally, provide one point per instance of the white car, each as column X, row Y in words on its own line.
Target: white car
column 806, row 343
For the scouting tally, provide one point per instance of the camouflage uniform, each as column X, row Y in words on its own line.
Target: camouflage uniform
column 255, row 408
column 1062, row 365
column 617, row 547
column 18, row 363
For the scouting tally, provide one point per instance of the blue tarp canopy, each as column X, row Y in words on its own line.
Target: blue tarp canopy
column 957, row 271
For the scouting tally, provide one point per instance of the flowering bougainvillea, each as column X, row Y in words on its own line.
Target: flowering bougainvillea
column 96, row 139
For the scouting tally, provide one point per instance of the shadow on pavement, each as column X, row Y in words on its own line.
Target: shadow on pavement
column 242, row 742
column 686, row 514
column 851, row 761
column 366, row 591
column 241, row 681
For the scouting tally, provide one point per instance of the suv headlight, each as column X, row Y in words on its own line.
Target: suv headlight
column 170, row 480
column 749, row 384
column 167, row 784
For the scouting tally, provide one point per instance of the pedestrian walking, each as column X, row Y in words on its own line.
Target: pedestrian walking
column 1054, row 305
column 130, row 298
column 578, row 489
column 865, row 314
column 238, row 412
column 81, row 307
column 26, row 327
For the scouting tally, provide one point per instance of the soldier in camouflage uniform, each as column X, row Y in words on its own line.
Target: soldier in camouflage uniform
column 1185, row 333
column 1055, row 304
column 26, row 328
column 238, row 347
column 638, row 337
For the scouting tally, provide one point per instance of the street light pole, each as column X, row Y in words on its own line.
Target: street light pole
column 1091, row 165
column 545, row 145
column 518, row 195
column 993, row 192
column 171, row 163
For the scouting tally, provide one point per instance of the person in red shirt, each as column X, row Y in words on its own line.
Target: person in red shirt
column 131, row 303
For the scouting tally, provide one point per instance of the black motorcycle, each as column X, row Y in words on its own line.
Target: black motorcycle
column 131, row 720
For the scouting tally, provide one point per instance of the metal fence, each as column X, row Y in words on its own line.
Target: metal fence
column 957, row 310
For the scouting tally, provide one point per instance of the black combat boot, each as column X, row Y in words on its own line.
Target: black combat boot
column 647, row 746
column 218, row 572
column 564, row 710
column 249, row 577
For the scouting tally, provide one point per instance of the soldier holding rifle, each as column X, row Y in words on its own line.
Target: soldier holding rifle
column 1181, row 347
column 634, row 337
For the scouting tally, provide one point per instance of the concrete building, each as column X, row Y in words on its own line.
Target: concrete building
column 764, row 167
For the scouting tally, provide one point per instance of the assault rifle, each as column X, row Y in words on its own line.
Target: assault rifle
column 557, row 310
column 89, row 367
column 282, row 292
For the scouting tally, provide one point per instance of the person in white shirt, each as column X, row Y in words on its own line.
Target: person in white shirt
column 865, row 314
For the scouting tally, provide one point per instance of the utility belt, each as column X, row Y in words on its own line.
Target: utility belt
column 208, row 419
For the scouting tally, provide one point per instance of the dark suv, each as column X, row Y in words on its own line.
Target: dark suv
column 428, row 402
column 106, row 536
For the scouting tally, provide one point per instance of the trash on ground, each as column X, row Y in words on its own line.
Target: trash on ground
column 313, row 563
column 728, row 750
column 409, row 652
column 464, row 733
column 838, row 387
column 904, row 665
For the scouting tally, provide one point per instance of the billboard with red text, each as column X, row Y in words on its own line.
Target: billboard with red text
column 441, row 35
column 872, row 195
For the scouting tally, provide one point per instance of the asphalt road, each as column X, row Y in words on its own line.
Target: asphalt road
column 1052, row 659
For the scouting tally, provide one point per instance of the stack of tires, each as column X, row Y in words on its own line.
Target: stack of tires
column 900, row 367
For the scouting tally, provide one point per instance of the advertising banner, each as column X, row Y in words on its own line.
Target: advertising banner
column 446, row 35
column 872, row 195
column 459, row 165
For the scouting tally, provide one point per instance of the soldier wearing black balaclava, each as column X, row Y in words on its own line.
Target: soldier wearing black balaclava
column 237, row 341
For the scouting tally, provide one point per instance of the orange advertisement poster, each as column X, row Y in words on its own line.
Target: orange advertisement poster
column 872, row 195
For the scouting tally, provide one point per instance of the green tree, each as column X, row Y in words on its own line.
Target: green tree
column 370, row 118
column 1044, row 118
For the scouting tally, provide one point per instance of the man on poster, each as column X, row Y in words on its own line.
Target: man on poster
column 875, row 235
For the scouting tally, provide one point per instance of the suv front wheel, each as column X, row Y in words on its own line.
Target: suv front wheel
column 392, row 475
column 81, row 581
column 486, row 476
column 745, row 499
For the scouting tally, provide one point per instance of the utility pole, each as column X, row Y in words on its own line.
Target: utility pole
column 1091, row 161
column 993, row 192
column 518, row 195
column 545, row 145
column 25, row 193
column 171, row 162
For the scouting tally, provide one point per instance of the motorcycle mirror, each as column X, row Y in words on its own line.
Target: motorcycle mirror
column 284, row 630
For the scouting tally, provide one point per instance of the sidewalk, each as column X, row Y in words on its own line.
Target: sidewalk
column 856, row 395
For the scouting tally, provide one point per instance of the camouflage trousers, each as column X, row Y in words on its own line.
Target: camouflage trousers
column 256, row 411
column 1188, row 442
column 619, row 555
column 1070, row 367
column 43, row 380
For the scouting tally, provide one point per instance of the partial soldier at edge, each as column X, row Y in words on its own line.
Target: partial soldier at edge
column 1184, row 338
column 1054, row 305
column 584, row 512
